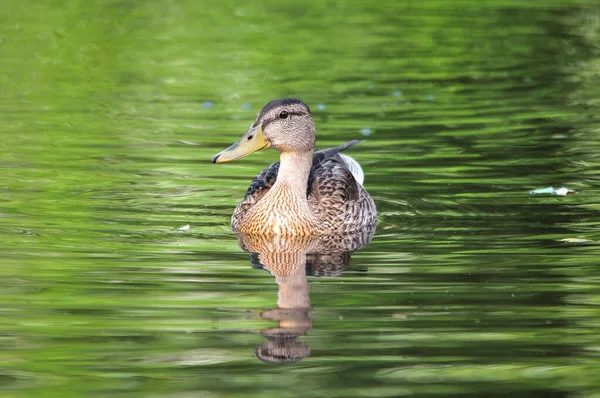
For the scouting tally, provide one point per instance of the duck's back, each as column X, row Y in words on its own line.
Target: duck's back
column 337, row 199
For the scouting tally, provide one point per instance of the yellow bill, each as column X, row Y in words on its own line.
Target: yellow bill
column 252, row 141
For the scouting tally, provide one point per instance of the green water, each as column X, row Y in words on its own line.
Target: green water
column 110, row 112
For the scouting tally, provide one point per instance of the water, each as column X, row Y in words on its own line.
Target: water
column 111, row 111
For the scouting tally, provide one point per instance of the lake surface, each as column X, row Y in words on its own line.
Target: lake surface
column 110, row 112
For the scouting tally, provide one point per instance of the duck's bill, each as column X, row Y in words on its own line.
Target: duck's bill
column 252, row 141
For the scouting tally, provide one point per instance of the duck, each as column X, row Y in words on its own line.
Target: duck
column 306, row 193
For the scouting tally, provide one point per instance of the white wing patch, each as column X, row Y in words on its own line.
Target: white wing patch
column 354, row 168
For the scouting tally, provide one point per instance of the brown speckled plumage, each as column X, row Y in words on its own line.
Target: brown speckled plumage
column 306, row 192
column 337, row 201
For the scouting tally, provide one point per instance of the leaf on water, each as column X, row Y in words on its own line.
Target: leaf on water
column 184, row 228
column 562, row 191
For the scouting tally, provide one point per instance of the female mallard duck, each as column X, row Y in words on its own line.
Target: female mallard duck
column 306, row 192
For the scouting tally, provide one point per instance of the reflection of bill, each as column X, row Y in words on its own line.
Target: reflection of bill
column 290, row 260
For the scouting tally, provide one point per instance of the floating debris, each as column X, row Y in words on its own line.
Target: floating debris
column 564, row 192
column 552, row 191
column 430, row 97
column 184, row 228
column 207, row 104
column 397, row 93
column 246, row 107
column 575, row 240
column 321, row 107
column 366, row 131
column 542, row 191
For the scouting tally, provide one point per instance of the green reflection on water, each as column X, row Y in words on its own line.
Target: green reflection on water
column 111, row 110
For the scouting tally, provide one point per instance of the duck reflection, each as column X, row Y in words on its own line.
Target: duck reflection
column 290, row 260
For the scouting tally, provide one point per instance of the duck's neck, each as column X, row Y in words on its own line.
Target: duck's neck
column 294, row 168
column 285, row 210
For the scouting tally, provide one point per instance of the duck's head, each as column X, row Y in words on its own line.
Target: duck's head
column 285, row 124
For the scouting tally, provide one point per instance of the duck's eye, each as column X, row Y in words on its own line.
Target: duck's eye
column 283, row 115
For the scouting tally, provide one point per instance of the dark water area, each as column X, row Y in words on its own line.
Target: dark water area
column 110, row 113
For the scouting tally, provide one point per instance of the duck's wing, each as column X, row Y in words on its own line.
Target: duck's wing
column 330, row 171
column 335, row 195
